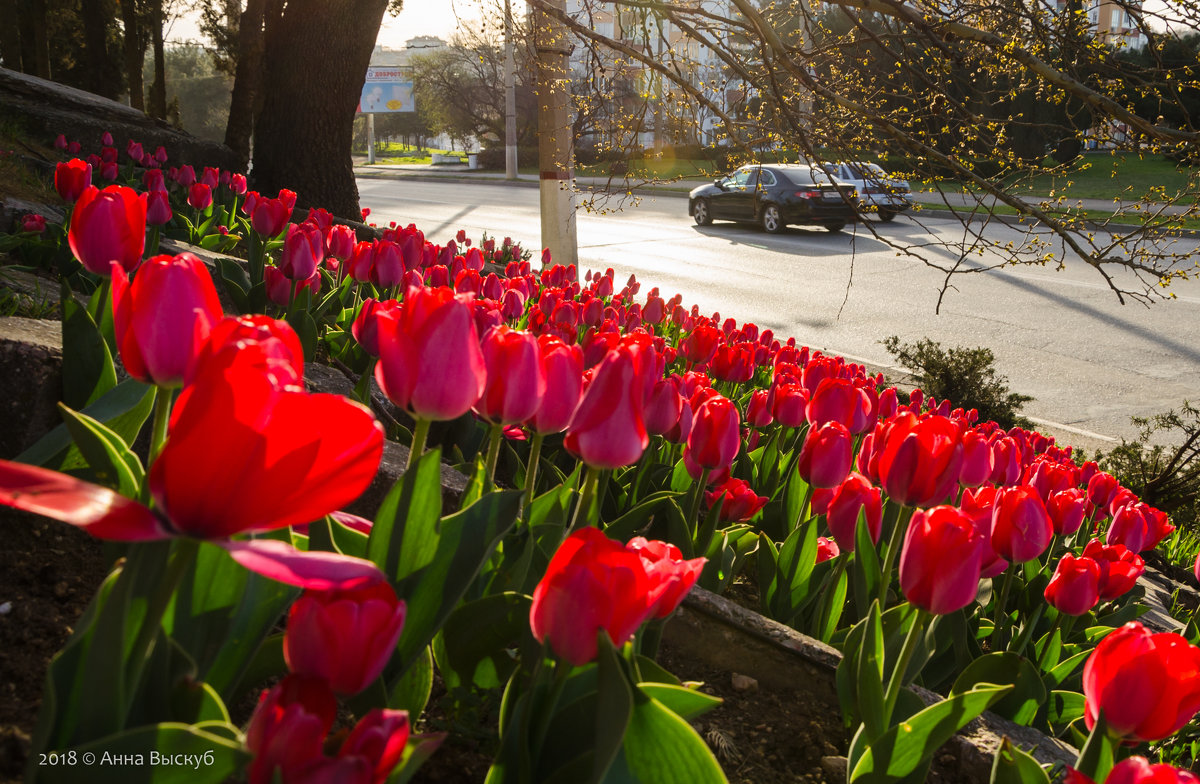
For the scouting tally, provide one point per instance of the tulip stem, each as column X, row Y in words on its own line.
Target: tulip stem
column 420, row 434
column 893, row 523
column 697, row 498
column 531, row 472
column 495, row 438
column 162, row 417
column 155, row 231
column 1000, row 623
column 586, row 495
column 906, row 654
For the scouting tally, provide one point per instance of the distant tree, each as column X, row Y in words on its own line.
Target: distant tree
column 459, row 90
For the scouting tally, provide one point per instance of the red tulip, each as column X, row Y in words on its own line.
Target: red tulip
column 365, row 328
column 1139, row 770
column 237, row 182
column 164, row 316
column 1006, row 461
column 562, row 365
column 516, row 382
column 670, row 576
column 608, row 429
column 303, row 251
column 288, row 728
column 1101, row 488
column 826, row 455
column 827, row 549
column 855, row 494
column 1021, row 529
column 1067, row 509
column 158, row 208
column 32, row 223
column 701, row 344
column 430, row 363
column 1138, row 526
column 361, row 261
column 714, row 440
column 664, row 406
column 282, row 289
column 738, row 500
column 72, row 178
column 340, row 242
column 978, row 505
column 1147, row 685
column 1119, row 567
column 977, row 459
column 268, row 217
column 920, row 460
column 758, row 409
column 186, row 175
column 378, row 738
column 592, row 584
column 387, row 269
column 941, row 559
column 345, row 636
column 1075, row 586
column 200, row 196
column 108, row 225
column 839, row 400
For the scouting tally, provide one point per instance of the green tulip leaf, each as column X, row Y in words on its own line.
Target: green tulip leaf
column 1064, row 708
column 111, row 461
column 614, row 706
column 418, row 749
column 682, row 701
column 1022, row 703
column 465, row 543
column 87, row 365
column 867, row 574
column 1065, row 669
column 476, row 637
column 405, row 536
column 1014, row 766
column 907, row 746
column 663, row 748
column 122, row 409
column 411, row 692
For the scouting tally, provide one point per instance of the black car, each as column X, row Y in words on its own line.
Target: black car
column 774, row 196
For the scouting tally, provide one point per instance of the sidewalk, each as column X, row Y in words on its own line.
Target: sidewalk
column 930, row 201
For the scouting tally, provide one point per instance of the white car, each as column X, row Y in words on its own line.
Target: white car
column 878, row 191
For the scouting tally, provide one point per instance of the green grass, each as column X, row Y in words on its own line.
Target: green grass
column 1125, row 176
column 1092, row 216
column 395, row 154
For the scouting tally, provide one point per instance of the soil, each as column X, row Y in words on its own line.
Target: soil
column 48, row 574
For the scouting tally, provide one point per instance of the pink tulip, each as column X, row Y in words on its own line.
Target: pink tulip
column 158, row 208
column 164, row 316
column 378, row 739
column 303, row 251
column 430, row 363
column 516, row 382
column 106, row 226
column 562, row 366
column 608, row 429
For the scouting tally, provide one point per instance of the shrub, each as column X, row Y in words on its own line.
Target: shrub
column 965, row 376
column 1164, row 476
column 493, row 157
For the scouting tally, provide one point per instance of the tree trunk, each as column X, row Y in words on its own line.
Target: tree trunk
column 101, row 74
column 158, row 88
column 247, row 82
column 316, row 59
column 135, row 53
column 35, row 46
column 10, row 36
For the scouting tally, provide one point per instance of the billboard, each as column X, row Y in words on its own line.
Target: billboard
column 387, row 89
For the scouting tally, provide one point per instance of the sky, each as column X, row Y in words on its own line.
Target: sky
column 419, row 17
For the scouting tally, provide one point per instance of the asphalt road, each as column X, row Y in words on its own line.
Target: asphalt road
column 1059, row 336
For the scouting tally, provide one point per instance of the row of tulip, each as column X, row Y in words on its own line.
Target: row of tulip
column 615, row 416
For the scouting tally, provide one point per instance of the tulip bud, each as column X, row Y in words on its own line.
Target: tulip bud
column 72, row 178
column 106, row 226
column 288, row 728
column 1021, row 528
column 714, row 440
column 515, row 382
column 200, row 196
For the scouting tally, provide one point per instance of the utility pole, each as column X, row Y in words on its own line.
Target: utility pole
column 510, row 98
column 556, row 163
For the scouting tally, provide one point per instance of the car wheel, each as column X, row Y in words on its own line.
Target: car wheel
column 886, row 215
column 835, row 226
column 772, row 221
column 701, row 213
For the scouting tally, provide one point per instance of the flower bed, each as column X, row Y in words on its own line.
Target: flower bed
column 618, row 449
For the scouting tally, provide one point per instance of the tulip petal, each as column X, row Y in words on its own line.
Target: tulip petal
column 318, row 571
column 97, row 510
